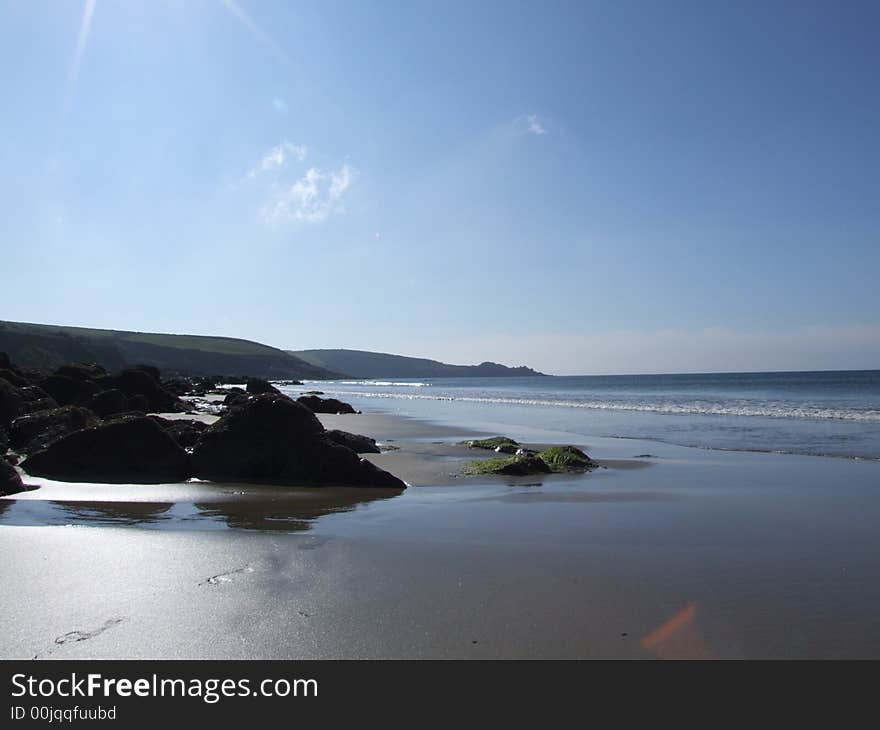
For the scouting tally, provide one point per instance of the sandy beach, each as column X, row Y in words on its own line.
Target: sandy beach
column 680, row 552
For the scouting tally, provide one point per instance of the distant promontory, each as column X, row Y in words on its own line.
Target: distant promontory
column 364, row 364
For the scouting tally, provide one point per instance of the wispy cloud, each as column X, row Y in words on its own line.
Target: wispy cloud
column 81, row 40
column 534, row 125
column 312, row 198
column 278, row 156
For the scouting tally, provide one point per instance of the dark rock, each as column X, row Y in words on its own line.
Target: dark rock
column 81, row 371
column 35, row 431
column 35, row 399
column 236, row 399
column 108, row 402
column 180, row 386
column 132, row 450
column 358, row 444
column 255, row 386
column 13, row 378
column 274, row 439
column 68, row 391
column 313, row 392
column 10, row 479
column 324, row 405
column 141, row 382
column 5, row 362
column 150, row 370
column 10, row 403
column 139, row 403
column 184, row 431
column 126, row 416
column 4, row 440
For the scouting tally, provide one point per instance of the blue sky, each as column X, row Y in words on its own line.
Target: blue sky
column 581, row 187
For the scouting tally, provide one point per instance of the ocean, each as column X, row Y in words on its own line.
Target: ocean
column 835, row 414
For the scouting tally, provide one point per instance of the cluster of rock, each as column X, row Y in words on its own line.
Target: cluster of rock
column 521, row 461
column 81, row 423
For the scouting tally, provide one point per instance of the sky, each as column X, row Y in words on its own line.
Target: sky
column 586, row 187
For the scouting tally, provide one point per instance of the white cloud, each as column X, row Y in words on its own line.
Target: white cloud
column 278, row 156
column 312, row 198
column 534, row 125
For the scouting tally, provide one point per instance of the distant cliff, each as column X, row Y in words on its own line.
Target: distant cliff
column 50, row 346
column 362, row 364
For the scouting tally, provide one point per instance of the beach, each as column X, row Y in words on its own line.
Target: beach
column 664, row 551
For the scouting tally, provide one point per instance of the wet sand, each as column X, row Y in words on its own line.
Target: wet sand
column 685, row 553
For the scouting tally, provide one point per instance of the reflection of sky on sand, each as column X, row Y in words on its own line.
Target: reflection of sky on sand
column 292, row 512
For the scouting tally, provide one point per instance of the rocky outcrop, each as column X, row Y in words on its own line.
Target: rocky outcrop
column 256, row 386
column 142, row 383
column 67, row 391
column 324, row 405
column 499, row 444
column 274, row 439
column 13, row 378
column 236, row 398
column 10, row 479
column 81, row 371
column 556, row 459
column 35, row 399
column 132, row 450
column 109, row 402
column 10, row 403
column 35, row 431
column 184, row 431
column 357, row 443
column 567, row 458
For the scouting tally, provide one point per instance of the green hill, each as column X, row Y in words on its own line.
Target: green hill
column 362, row 364
column 49, row 346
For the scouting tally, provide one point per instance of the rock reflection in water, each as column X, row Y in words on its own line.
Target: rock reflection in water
column 294, row 513
column 115, row 513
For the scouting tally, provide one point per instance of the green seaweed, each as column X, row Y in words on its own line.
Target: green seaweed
column 487, row 466
column 566, row 458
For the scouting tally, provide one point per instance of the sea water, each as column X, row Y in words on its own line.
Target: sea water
column 821, row 413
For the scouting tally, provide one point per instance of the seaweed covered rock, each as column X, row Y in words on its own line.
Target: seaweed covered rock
column 508, row 466
column 324, row 405
column 357, row 443
column 34, row 431
column 10, row 479
column 274, row 439
column 132, row 450
column 500, row 444
column 556, row 459
column 256, row 386
column 566, row 458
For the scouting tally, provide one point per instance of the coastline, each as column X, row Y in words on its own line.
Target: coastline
column 697, row 554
